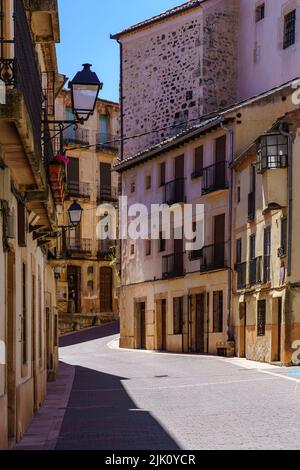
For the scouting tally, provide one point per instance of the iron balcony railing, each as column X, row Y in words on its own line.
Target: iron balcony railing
column 251, row 206
column 174, row 191
column 107, row 142
column 106, row 249
column 241, row 269
column 214, row 257
column 215, row 178
column 76, row 137
column 79, row 189
column 173, row 265
column 107, row 193
column 82, row 245
column 255, row 271
column 18, row 64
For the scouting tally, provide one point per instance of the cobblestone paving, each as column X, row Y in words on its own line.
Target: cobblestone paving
column 142, row 400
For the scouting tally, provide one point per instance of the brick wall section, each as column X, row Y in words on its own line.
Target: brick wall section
column 177, row 71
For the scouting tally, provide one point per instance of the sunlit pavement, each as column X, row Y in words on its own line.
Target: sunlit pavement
column 142, row 400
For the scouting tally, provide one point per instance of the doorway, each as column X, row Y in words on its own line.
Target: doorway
column 11, row 346
column 106, row 285
column 141, row 325
column 161, row 325
column 200, row 324
column 279, row 316
column 74, row 284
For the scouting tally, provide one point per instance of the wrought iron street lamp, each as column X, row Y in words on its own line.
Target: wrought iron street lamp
column 75, row 214
column 85, row 88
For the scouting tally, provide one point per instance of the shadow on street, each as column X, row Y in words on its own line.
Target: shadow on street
column 89, row 335
column 101, row 416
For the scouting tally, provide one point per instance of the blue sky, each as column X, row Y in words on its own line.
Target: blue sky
column 85, row 29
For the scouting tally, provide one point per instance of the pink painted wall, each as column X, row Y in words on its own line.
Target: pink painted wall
column 275, row 65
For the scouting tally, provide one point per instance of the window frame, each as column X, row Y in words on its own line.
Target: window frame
column 260, row 12
column 289, row 29
column 261, row 318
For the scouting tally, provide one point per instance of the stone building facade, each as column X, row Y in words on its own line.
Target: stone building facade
column 182, row 64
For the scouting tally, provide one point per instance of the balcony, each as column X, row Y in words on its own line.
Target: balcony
column 107, row 193
column 255, row 271
column 173, row 266
column 215, row 178
column 214, row 257
column 251, row 207
column 83, row 245
column 241, row 269
column 78, row 189
column 174, row 191
column 107, row 142
column 76, row 137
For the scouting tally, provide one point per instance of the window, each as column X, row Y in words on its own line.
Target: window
column 284, row 230
column 198, row 163
column 289, row 37
column 148, row 247
column 132, row 249
column 105, row 181
column 238, row 194
column 260, row 12
column 21, row 225
column 239, row 251
column 73, row 177
column 218, row 312
column 163, row 173
column 273, row 152
column 148, row 182
column 106, row 288
column 178, row 315
column 24, row 316
column 261, row 318
column 162, row 242
column 195, row 254
column 252, row 247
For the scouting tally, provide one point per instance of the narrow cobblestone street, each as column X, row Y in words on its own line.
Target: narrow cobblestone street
column 143, row 400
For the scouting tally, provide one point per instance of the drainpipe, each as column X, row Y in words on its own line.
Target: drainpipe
column 230, row 227
column 121, row 101
column 290, row 196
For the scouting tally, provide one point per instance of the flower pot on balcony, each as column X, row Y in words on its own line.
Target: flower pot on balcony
column 55, row 171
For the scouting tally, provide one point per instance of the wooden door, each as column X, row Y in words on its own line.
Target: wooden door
column 219, row 241
column 106, row 285
column 142, row 324
column 200, row 324
column 164, row 324
column 74, row 283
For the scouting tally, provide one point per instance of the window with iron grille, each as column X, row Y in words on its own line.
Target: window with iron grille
column 261, row 317
column 289, row 29
column 178, row 315
column 218, row 312
column 260, row 12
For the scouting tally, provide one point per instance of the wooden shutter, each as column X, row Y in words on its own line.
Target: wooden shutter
column 198, row 161
column 21, row 225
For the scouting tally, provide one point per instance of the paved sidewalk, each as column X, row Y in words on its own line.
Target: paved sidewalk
column 44, row 430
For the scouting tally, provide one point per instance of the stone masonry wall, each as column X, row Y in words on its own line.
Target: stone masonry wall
column 175, row 72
